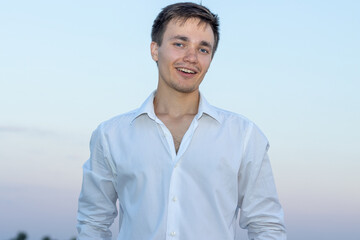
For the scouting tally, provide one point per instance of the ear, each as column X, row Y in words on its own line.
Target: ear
column 154, row 47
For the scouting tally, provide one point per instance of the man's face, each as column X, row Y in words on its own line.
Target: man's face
column 184, row 55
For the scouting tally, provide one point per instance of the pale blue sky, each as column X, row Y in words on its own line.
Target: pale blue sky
column 293, row 67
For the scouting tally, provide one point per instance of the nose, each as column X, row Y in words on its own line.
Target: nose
column 191, row 55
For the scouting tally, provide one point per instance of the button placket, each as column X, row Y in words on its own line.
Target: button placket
column 174, row 213
column 166, row 134
column 173, row 205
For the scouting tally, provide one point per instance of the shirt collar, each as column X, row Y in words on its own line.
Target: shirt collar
column 204, row 108
column 146, row 108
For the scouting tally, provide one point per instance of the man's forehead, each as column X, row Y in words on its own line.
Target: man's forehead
column 182, row 22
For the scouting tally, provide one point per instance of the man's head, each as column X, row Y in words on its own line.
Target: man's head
column 183, row 12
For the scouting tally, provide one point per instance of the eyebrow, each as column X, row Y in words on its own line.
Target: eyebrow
column 186, row 39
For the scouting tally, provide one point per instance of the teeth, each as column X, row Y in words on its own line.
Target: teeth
column 186, row 70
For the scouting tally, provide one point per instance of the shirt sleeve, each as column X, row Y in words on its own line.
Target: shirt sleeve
column 260, row 210
column 97, row 202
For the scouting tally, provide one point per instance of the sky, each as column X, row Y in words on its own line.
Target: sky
column 292, row 67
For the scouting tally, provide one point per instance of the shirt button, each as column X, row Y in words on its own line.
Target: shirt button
column 176, row 165
column 174, row 199
column 173, row 234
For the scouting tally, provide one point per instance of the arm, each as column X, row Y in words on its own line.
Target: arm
column 97, row 202
column 260, row 211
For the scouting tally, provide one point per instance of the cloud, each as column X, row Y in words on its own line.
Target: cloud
column 26, row 130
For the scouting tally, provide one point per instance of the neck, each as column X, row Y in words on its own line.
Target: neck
column 176, row 104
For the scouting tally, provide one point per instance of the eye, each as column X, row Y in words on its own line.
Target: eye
column 178, row 44
column 203, row 50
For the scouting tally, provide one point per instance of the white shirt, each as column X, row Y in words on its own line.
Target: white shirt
column 221, row 167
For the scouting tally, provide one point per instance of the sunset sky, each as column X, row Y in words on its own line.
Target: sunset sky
column 292, row 67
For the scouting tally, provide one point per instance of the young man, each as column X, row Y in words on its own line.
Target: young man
column 180, row 168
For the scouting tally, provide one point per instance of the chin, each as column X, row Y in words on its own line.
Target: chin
column 185, row 89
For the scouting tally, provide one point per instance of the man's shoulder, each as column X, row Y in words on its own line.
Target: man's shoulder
column 238, row 121
column 227, row 116
column 118, row 121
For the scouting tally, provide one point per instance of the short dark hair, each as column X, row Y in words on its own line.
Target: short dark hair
column 184, row 11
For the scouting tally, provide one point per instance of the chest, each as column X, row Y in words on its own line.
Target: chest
column 144, row 153
column 177, row 127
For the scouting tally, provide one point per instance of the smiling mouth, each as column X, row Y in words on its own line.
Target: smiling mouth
column 185, row 70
